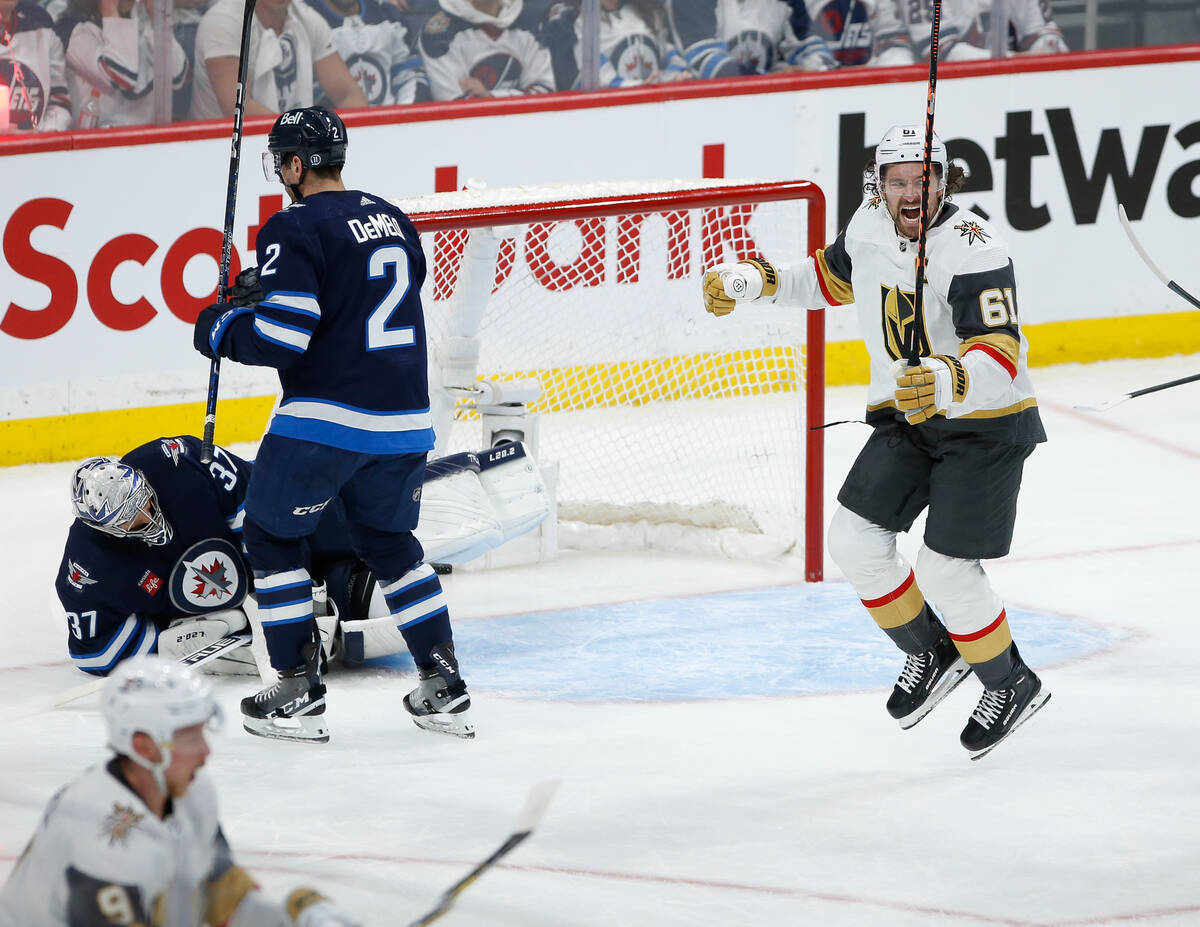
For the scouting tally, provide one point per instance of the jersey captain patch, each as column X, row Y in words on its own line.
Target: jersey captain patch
column 210, row 575
column 972, row 231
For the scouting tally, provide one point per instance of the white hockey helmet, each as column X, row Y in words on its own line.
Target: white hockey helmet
column 907, row 143
column 158, row 697
column 108, row 495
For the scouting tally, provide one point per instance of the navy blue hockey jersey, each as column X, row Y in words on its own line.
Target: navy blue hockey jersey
column 342, row 322
column 118, row 592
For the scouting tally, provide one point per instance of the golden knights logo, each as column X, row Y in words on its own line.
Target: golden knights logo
column 900, row 323
column 118, row 825
column 972, row 231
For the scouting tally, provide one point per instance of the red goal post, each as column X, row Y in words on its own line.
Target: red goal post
column 594, row 290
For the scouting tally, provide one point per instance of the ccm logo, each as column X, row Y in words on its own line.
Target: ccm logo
column 309, row 509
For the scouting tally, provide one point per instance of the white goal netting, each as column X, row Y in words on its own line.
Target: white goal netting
column 670, row 427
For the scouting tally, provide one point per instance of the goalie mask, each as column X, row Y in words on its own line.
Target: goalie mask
column 316, row 134
column 117, row 499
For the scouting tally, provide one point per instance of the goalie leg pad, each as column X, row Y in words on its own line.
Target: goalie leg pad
column 187, row 635
column 458, row 522
column 515, row 486
column 417, row 619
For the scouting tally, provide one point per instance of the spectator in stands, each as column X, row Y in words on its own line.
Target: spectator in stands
column 110, row 61
column 371, row 38
column 472, row 48
column 1031, row 28
column 288, row 43
column 635, row 45
column 34, row 69
column 725, row 38
column 899, row 29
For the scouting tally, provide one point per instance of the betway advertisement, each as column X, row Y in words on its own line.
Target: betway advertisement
column 110, row 252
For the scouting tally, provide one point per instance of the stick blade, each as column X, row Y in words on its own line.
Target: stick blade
column 539, row 797
column 1103, row 406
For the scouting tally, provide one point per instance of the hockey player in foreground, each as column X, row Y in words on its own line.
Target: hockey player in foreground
column 951, row 434
column 137, row 840
column 342, row 322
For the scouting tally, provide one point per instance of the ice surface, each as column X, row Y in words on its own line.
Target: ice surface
column 779, row 796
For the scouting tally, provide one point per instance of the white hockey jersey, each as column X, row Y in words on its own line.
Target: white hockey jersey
column 280, row 69
column 860, row 31
column 34, row 68
column 374, row 44
column 115, row 58
column 100, row 856
column 1031, row 24
column 632, row 50
column 969, row 310
column 460, row 41
column 760, row 37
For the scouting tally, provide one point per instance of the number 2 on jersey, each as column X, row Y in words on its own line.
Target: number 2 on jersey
column 391, row 260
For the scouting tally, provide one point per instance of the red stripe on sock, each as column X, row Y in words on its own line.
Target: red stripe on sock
column 981, row 634
column 891, row 596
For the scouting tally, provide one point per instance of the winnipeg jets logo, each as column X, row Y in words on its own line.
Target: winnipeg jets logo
column 120, row 823
column 972, row 231
column 210, row 575
column 77, row 576
column 173, row 449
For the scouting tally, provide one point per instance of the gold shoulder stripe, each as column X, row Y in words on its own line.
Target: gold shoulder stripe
column 831, row 283
column 1005, row 344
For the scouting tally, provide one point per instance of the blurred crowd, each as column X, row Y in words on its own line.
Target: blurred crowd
column 70, row 64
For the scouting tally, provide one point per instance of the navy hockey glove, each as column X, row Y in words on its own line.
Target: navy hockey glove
column 207, row 324
column 246, row 290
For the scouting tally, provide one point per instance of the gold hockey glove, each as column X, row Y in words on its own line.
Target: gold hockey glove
column 726, row 284
column 925, row 391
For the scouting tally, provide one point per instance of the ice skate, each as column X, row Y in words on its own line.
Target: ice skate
column 440, row 702
column 1002, row 711
column 291, row 709
column 926, row 679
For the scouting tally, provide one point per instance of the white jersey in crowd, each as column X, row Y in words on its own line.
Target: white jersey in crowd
column 114, row 59
column 461, row 41
column 280, row 70
column 34, row 68
column 1032, row 24
column 374, row 44
column 760, row 37
column 861, row 31
column 101, row 856
column 633, row 51
column 969, row 305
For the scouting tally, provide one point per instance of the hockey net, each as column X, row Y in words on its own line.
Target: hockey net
column 671, row 428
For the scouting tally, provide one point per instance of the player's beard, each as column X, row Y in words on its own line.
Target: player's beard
column 906, row 213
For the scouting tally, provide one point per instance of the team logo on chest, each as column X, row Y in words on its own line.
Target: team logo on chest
column 120, row 824
column 901, row 324
column 210, row 575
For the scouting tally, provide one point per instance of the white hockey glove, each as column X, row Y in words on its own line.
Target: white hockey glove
column 927, row 390
column 187, row 635
column 743, row 281
column 309, row 908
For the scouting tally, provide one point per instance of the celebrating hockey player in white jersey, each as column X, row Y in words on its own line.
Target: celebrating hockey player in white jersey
column 137, row 840
column 950, row 435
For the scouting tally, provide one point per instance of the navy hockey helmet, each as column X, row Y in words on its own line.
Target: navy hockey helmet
column 315, row 133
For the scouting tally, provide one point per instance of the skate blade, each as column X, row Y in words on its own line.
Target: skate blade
column 1030, row 710
column 308, row 729
column 949, row 683
column 454, row 725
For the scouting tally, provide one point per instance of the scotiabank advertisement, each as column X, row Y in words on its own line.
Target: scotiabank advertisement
column 110, row 252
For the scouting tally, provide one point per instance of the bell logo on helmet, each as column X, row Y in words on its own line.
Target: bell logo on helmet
column 291, row 119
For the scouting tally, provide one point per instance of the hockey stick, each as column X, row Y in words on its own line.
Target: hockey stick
column 235, row 157
column 204, row 655
column 535, row 806
column 1109, row 403
column 1171, row 284
column 913, row 347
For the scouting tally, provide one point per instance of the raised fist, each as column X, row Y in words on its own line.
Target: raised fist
column 746, row 280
